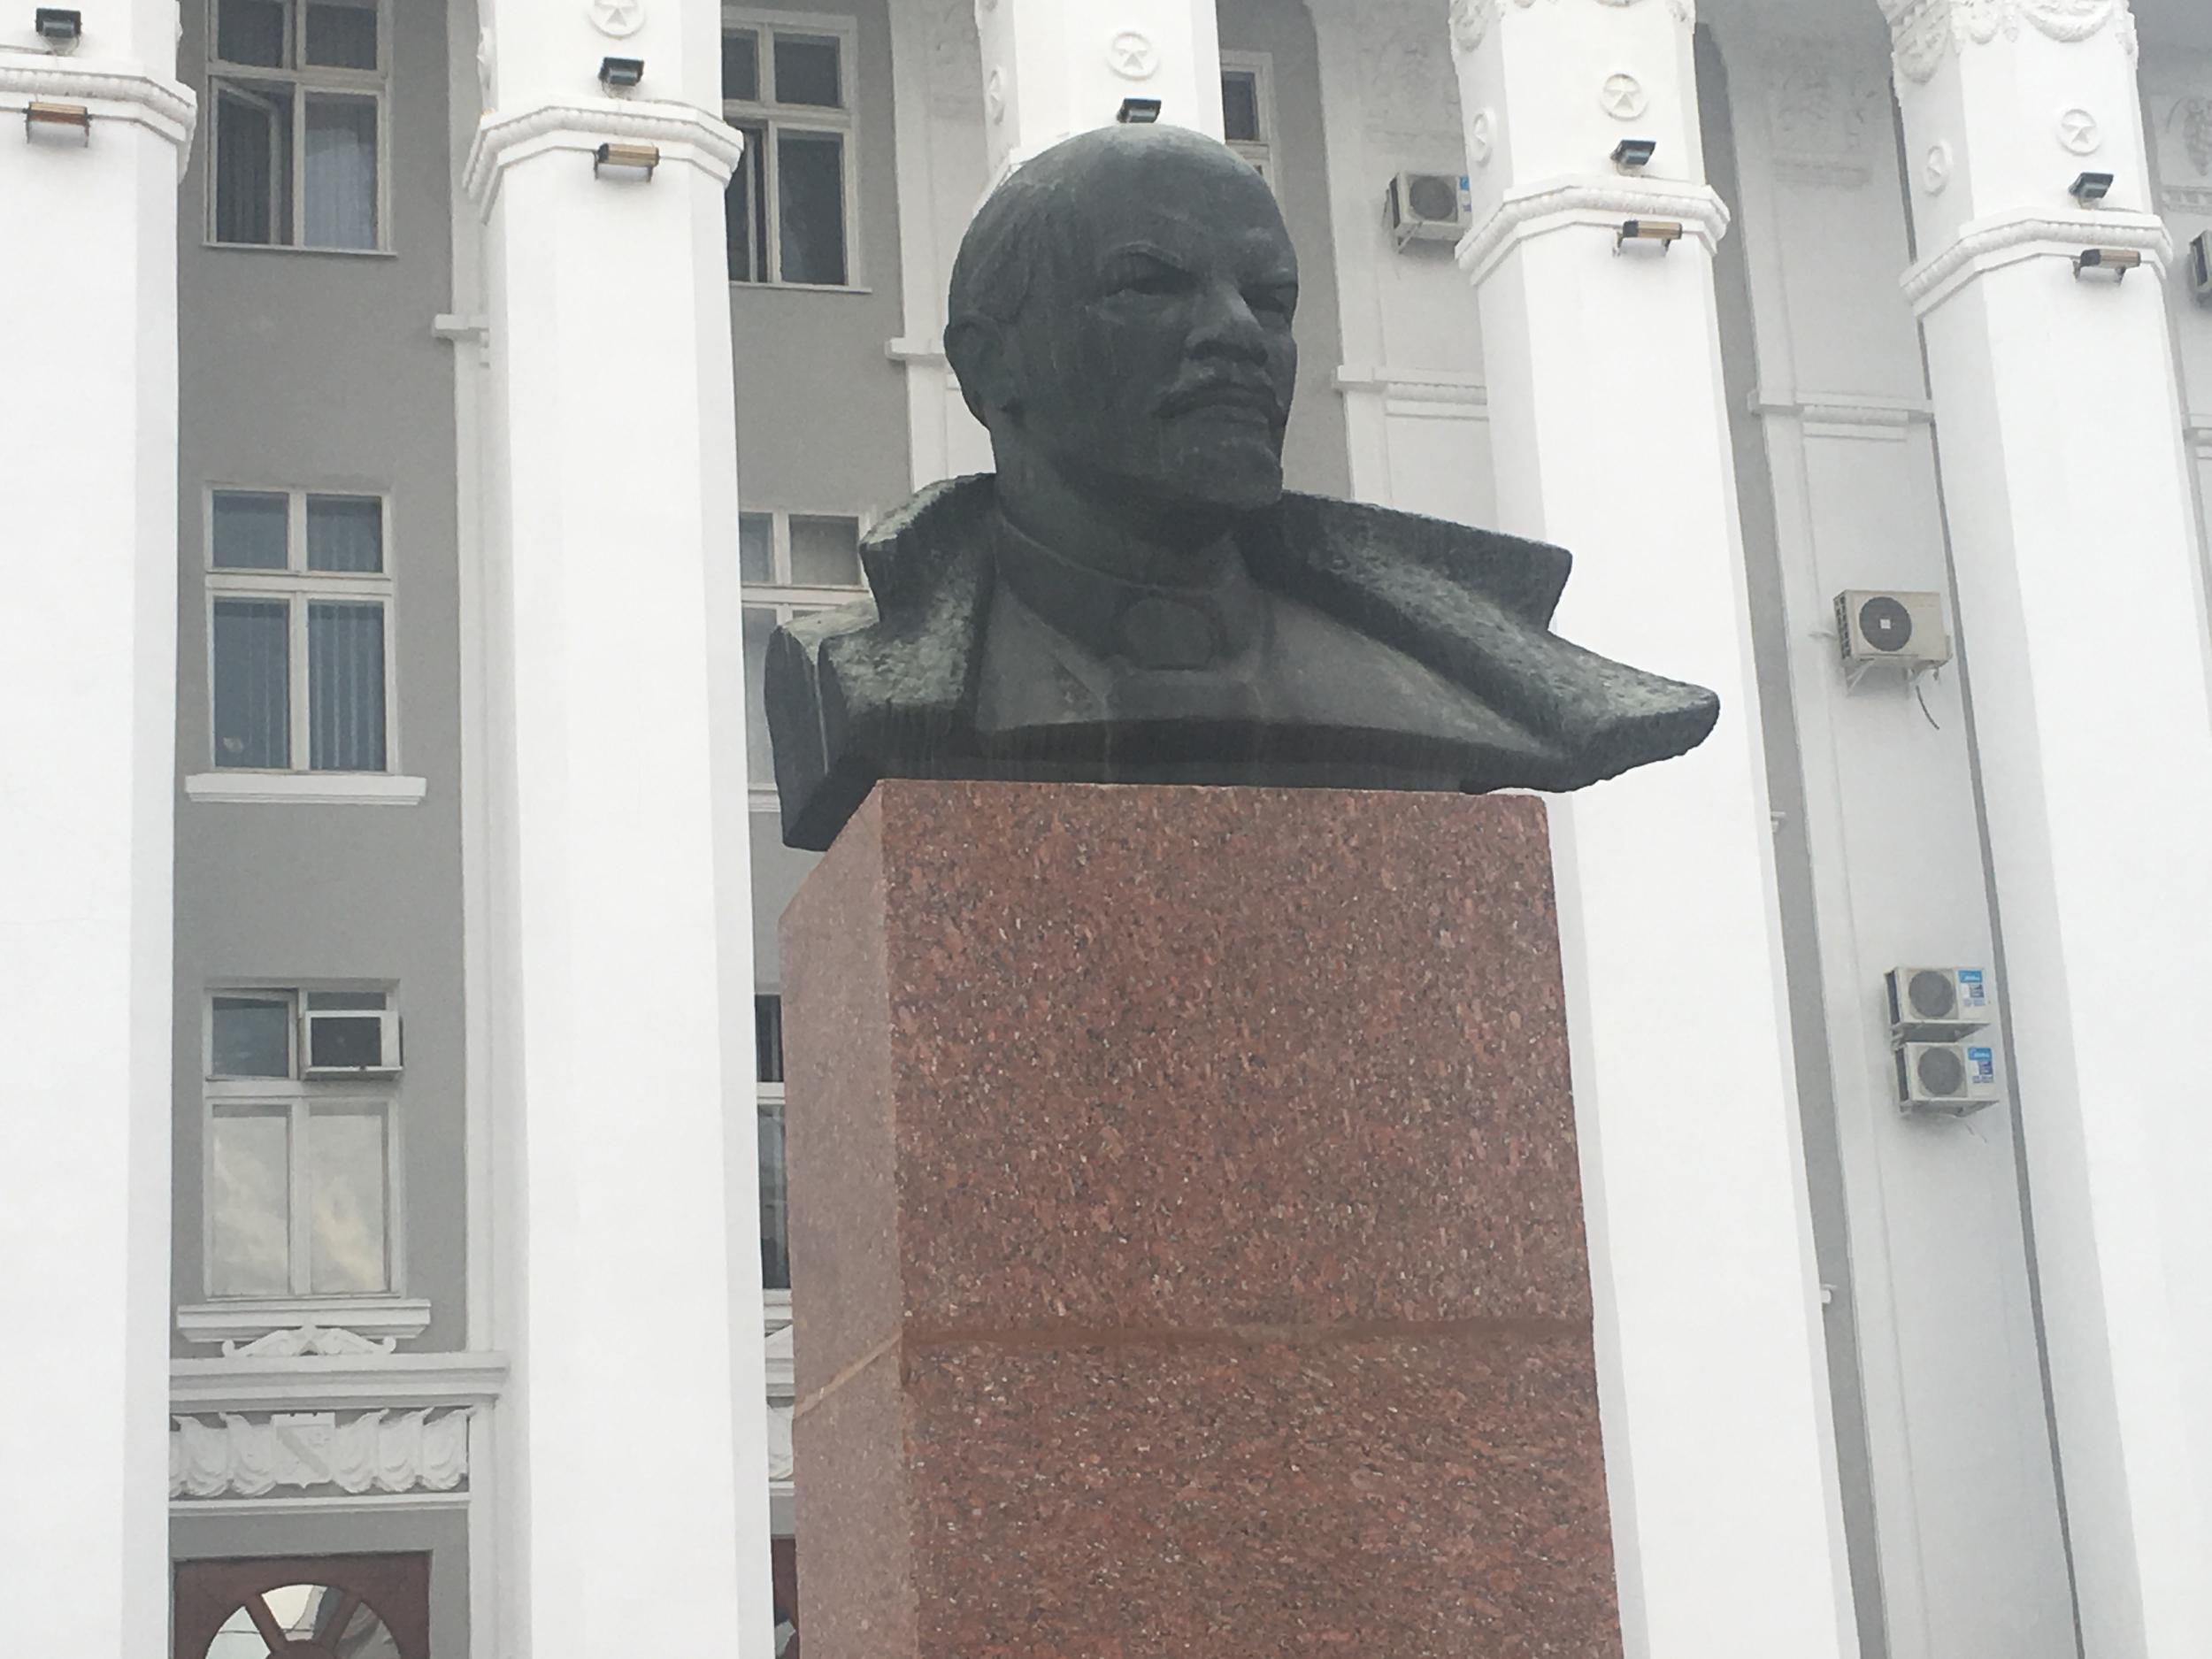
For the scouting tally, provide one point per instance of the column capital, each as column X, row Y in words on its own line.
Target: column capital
column 687, row 136
column 2005, row 239
column 125, row 92
column 1926, row 31
column 1471, row 19
column 1535, row 210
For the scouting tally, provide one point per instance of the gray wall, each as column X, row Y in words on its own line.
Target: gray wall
column 1315, row 453
column 318, row 371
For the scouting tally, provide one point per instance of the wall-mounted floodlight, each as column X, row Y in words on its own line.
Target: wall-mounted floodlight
column 1665, row 232
column 2119, row 261
column 58, row 26
column 41, row 115
column 619, row 74
column 1138, row 111
column 2091, row 189
column 1633, row 155
column 626, row 159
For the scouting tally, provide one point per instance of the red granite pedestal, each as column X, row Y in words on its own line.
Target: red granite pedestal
column 1187, row 1239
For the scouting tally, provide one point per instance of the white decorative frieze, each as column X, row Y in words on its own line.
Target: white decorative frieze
column 1407, row 82
column 1471, row 19
column 242, row 1457
column 2183, row 133
column 1824, row 101
column 324, row 1341
column 1926, row 30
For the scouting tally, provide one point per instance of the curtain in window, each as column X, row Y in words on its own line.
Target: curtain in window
column 252, row 675
column 345, row 534
column 810, row 202
column 345, row 688
column 340, row 208
column 250, row 32
column 253, row 166
column 346, row 1247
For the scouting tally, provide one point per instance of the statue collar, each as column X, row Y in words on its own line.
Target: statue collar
column 1205, row 624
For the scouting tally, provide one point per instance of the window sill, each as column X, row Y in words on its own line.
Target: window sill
column 294, row 247
column 372, row 1317
column 306, row 788
column 799, row 287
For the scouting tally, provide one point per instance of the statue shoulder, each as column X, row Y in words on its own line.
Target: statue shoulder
column 1359, row 545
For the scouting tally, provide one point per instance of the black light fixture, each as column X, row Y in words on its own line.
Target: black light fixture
column 2091, row 187
column 626, row 159
column 59, row 27
column 2119, row 261
column 1665, row 232
column 619, row 74
column 1633, row 154
column 1138, row 111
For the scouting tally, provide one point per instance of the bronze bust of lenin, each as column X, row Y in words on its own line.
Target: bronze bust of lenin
column 1133, row 596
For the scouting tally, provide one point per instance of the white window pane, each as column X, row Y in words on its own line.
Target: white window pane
column 825, row 552
column 811, row 206
column 345, row 1157
column 745, row 211
column 251, row 1036
column 341, row 172
column 807, row 71
column 345, row 534
column 342, row 34
column 775, row 1201
column 740, row 66
column 253, row 164
column 250, row 32
column 1241, row 106
column 249, row 1213
column 345, row 688
column 760, row 622
column 250, row 531
column 757, row 547
column 252, row 674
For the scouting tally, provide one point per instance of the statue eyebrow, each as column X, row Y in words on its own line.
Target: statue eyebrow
column 1144, row 250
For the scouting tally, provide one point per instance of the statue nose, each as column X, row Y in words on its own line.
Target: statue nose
column 1225, row 325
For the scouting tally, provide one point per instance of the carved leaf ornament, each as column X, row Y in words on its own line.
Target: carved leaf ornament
column 381, row 1451
column 1924, row 30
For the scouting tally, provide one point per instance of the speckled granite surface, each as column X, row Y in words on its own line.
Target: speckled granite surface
column 1186, row 1232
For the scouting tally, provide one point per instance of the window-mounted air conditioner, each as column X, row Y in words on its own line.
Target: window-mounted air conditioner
column 1905, row 629
column 349, row 1034
column 1428, row 207
column 1956, row 1078
column 1936, row 1004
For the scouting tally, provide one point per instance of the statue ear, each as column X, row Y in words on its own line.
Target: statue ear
column 983, row 353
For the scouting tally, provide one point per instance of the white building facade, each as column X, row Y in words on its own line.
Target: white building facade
column 417, row 414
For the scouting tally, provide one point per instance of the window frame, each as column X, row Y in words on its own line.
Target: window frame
column 1259, row 152
column 299, row 1098
column 297, row 588
column 300, row 78
column 772, row 116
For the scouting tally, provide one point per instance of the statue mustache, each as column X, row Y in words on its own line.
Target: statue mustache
column 1230, row 390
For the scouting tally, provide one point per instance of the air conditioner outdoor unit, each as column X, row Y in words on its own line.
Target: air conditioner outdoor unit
column 349, row 1034
column 1956, row 1078
column 1904, row 629
column 1936, row 1004
column 1428, row 207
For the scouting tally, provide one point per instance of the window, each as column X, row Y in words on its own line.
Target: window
column 299, row 1143
column 787, row 84
column 790, row 563
column 299, row 649
column 1247, row 114
column 366, row 1607
column 775, row 1192
column 297, row 90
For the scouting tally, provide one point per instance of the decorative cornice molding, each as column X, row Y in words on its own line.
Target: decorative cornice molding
column 305, row 788
column 248, row 1322
column 687, row 137
column 112, row 92
column 249, row 1457
column 1858, row 415
column 1926, row 31
column 335, row 1383
column 1537, row 209
column 1989, row 244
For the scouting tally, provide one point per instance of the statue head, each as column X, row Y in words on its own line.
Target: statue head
column 1120, row 320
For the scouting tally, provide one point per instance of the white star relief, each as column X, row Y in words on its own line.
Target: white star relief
column 617, row 17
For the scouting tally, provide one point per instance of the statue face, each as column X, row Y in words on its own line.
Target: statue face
column 1155, row 352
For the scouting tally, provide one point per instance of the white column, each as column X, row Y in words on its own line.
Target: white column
column 2082, row 620
column 1052, row 69
column 1610, row 437
column 87, row 753
column 634, row 1483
